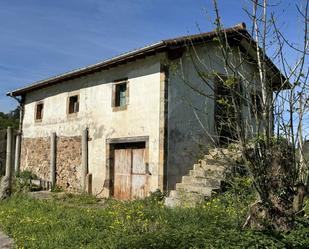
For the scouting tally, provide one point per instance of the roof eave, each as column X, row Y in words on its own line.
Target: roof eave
column 154, row 48
column 239, row 31
column 280, row 80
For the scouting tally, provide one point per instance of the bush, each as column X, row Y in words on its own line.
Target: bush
column 23, row 182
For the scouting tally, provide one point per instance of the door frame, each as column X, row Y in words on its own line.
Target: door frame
column 111, row 145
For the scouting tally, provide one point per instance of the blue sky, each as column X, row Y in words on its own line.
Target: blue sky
column 39, row 39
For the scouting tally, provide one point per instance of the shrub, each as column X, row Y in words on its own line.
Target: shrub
column 23, row 182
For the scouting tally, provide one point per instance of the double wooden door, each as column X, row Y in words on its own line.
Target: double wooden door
column 130, row 174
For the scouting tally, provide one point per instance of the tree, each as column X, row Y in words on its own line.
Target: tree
column 9, row 119
column 268, row 138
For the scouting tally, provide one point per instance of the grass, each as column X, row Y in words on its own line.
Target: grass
column 80, row 222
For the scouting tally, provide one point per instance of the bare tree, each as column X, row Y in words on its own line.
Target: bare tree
column 276, row 104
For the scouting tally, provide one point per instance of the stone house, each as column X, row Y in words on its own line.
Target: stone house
column 130, row 121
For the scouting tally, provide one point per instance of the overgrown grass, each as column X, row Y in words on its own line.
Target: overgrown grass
column 139, row 224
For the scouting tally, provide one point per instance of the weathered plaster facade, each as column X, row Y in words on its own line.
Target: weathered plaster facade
column 161, row 107
column 141, row 118
column 191, row 125
column 164, row 115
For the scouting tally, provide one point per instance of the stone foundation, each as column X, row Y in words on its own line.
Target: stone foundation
column 35, row 157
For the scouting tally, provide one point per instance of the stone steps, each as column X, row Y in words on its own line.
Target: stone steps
column 202, row 181
column 177, row 196
column 209, row 173
column 213, row 166
column 194, row 188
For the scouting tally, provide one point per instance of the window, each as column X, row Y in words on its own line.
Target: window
column 73, row 104
column 121, row 92
column 39, row 112
column 120, row 95
column 256, row 104
column 228, row 107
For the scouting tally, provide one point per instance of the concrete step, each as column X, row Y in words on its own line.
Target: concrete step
column 208, row 156
column 197, row 166
column 218, row 174
column 219, row 152
column 173, row 193
column 172, row 202
column 197, row 173
column 203, row 182
column 205, row 191
column 225, row 153
column 183, row 198
column 211, row 172
column 214, row 162
column 214, row 167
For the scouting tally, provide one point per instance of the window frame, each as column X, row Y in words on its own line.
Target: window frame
column 37, row 104
column 72, row 114
column 116, row 84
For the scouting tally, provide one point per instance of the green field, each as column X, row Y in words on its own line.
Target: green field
column 81, row 222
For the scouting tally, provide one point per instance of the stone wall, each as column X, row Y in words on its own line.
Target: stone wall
column 35, row 157
column 68, row 162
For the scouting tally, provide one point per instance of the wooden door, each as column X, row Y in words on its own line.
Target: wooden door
column 130, row 177
column 139, row 174
column 122, row 182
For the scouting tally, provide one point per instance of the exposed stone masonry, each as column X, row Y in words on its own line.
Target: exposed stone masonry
column 69, row 155
column 35, row 157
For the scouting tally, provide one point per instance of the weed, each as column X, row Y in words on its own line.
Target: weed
column 141, row 223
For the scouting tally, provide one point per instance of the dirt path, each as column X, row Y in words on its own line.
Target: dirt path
column 5, row 241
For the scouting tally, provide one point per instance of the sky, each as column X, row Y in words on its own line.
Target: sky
column 40, row 39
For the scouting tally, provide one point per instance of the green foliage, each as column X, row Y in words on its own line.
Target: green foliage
column 22, row 182
column 224, row 102
column 26, row 175
column 56, row 189
column 306, row 205
column 78, row 199
column 156, row 197
column 9, row 119
column 67, row 222
column 261, row 139
column 230, row 82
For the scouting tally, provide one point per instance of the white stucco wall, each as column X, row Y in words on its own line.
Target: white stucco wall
column 191, row 112
column 95, row 112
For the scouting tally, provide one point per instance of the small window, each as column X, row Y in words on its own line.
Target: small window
column 39, row 112
column 73, row 104
column 120, row 95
